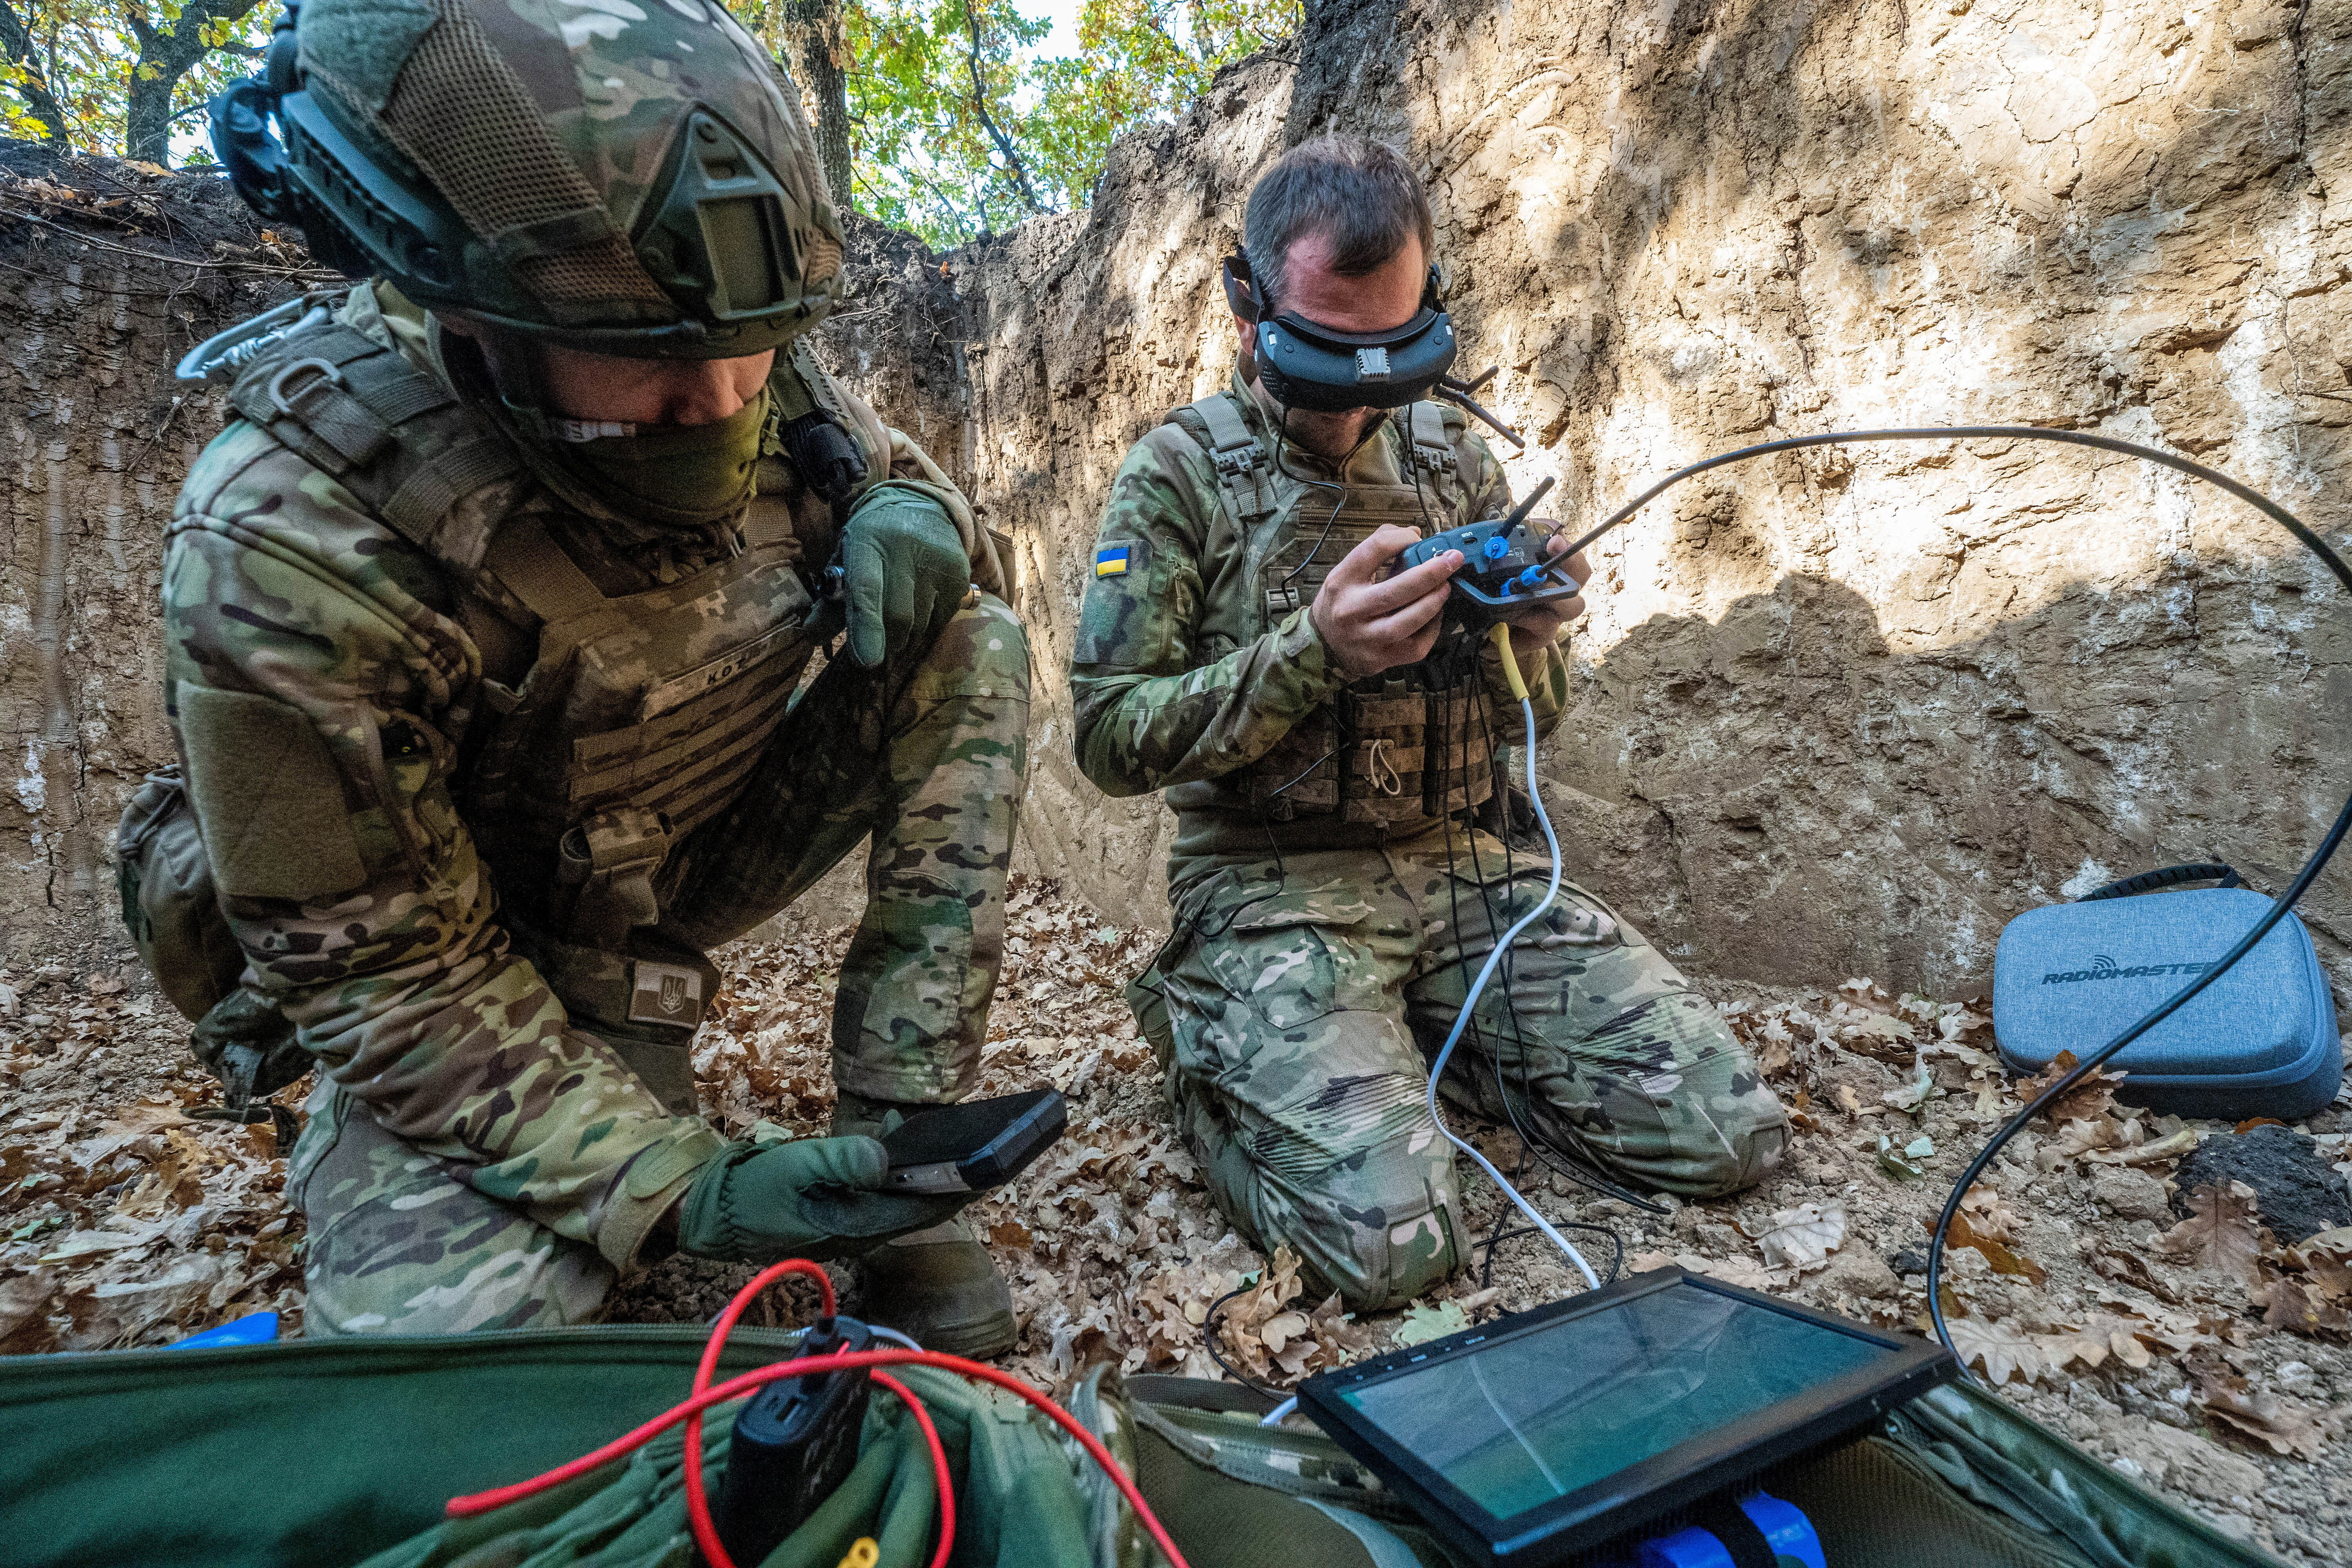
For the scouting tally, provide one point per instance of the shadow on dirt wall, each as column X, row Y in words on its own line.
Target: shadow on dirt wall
column 1777, row 792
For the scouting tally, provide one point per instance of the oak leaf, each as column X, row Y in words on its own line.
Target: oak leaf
column 1421, row 1324
column 2281, row 1424
column 1997, row 1253
column 2221, row 1233
column 2086, row 1102
column 1999, row 1348
column 1802, row 1238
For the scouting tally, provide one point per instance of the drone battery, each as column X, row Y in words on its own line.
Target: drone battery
column 1772, row 1531
column 794, row 1445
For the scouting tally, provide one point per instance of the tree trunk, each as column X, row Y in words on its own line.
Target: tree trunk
column 17, row 46
column 163, row 59
column 813, row 29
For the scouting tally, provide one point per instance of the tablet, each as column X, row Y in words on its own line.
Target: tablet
column 1547, row 1433
column 974, row 1146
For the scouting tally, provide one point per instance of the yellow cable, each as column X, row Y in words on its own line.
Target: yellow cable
column 863, row 1553
column 1501, row 637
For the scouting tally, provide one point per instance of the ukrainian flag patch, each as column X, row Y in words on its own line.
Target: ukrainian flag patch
column 1111, row 561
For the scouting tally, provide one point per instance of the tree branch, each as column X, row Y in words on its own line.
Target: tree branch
column 147, row 102
column 16, row 44
column 1018, row 170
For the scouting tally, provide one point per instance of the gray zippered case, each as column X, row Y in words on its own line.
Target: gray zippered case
column 2260, row 1041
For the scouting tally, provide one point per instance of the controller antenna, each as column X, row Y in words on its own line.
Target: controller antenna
column 1458, row 391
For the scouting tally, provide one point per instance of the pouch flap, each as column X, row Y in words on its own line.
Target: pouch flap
column 2068, row 977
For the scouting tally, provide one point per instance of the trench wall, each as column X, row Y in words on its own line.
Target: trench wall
column 1836, row 713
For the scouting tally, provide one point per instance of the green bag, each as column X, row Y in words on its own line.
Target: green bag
column 338, row 1452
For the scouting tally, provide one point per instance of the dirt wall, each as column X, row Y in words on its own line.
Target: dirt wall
column 1843, row 712
column 1835, row 714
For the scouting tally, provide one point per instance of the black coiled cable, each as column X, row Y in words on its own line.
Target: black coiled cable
column 2279, row 908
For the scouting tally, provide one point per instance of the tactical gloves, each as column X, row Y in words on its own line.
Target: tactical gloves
column 904, row 574
column 810, row 1197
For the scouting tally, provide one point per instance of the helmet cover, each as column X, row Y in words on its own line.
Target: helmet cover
column 628, row 176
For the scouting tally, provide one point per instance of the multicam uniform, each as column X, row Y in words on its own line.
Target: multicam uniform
column 474, row 827
column 1330, row 907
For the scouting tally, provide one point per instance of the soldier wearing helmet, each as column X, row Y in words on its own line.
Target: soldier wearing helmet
column 488, row 619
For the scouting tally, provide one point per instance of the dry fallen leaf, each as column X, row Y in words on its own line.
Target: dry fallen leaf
column 1421, row 1324
column 2086, row 1102
column 1988, row 1215
column 2281, row 1424
column 1802, row 1238
column 1998, row 1347
column 2291, row 1307
column 2115, row 1263
column 2221, row 1233
column 2172, row 1146
column 1997, row 1253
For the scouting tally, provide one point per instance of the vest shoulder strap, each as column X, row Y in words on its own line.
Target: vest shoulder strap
column 1245, row 472
column 535, row 570
column 1432, row 442
column 399, row 440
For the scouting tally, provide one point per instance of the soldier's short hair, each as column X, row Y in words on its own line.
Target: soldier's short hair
column 1357, row 193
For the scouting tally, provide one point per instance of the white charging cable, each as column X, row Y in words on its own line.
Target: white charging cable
column 1502, row 637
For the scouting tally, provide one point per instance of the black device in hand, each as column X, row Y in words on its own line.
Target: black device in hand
column 970, row 1147
column 1505, row 563
column 793, row 1445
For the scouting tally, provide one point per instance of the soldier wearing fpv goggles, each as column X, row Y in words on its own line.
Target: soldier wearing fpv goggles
column 1328, row 742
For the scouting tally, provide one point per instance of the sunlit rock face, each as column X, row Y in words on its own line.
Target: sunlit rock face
column 1837, row 714
column 1847, row 711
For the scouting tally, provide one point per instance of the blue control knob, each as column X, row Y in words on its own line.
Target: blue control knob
column 1531, row 578
column 1497, row 547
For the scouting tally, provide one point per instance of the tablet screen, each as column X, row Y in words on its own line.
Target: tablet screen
column 1534, row 1417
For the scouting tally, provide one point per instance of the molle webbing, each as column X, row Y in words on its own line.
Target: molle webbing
column 689, row 761
column 689, row 737
column 1245, row 469
column 394, row 436
column 1386, row 751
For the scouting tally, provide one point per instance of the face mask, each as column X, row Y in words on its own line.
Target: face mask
column 681, row 476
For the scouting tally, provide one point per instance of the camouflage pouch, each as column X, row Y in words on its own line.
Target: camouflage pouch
column 171, row 905
column 170, row 902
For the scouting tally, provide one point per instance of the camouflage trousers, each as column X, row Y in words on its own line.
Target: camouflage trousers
column 1300, row 1003
column 929, row 760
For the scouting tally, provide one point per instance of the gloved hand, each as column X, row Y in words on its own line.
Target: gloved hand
column 807, row 1197
column 904, row 574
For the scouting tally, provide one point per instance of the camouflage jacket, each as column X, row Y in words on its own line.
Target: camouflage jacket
column 281, row 593
column 1167, row 698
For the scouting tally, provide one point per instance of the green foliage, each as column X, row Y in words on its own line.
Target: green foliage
column 958, row 127
column 936, row 156
column 92, row 55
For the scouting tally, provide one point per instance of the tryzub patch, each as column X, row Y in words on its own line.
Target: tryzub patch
column 1113, row 560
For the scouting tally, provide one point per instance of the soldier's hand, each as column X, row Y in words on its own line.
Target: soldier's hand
column 1535, row 627
column 807, row 1197
column 1371, row 622
column 904, row 574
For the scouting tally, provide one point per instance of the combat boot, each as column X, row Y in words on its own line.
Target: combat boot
column 938, row 1287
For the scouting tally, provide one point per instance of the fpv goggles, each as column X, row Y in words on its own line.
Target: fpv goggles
column 1304, row 366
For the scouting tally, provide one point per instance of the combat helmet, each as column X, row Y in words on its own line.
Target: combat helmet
column 632, row 177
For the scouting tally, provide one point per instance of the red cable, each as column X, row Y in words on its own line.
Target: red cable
column 939, row 1468
column 476, row 1503
column 698, row 1500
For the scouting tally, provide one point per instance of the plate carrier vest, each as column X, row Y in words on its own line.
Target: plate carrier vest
column 638, row 717
column 1406, row 746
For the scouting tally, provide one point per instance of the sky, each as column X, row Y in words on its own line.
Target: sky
column 1063, row 42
